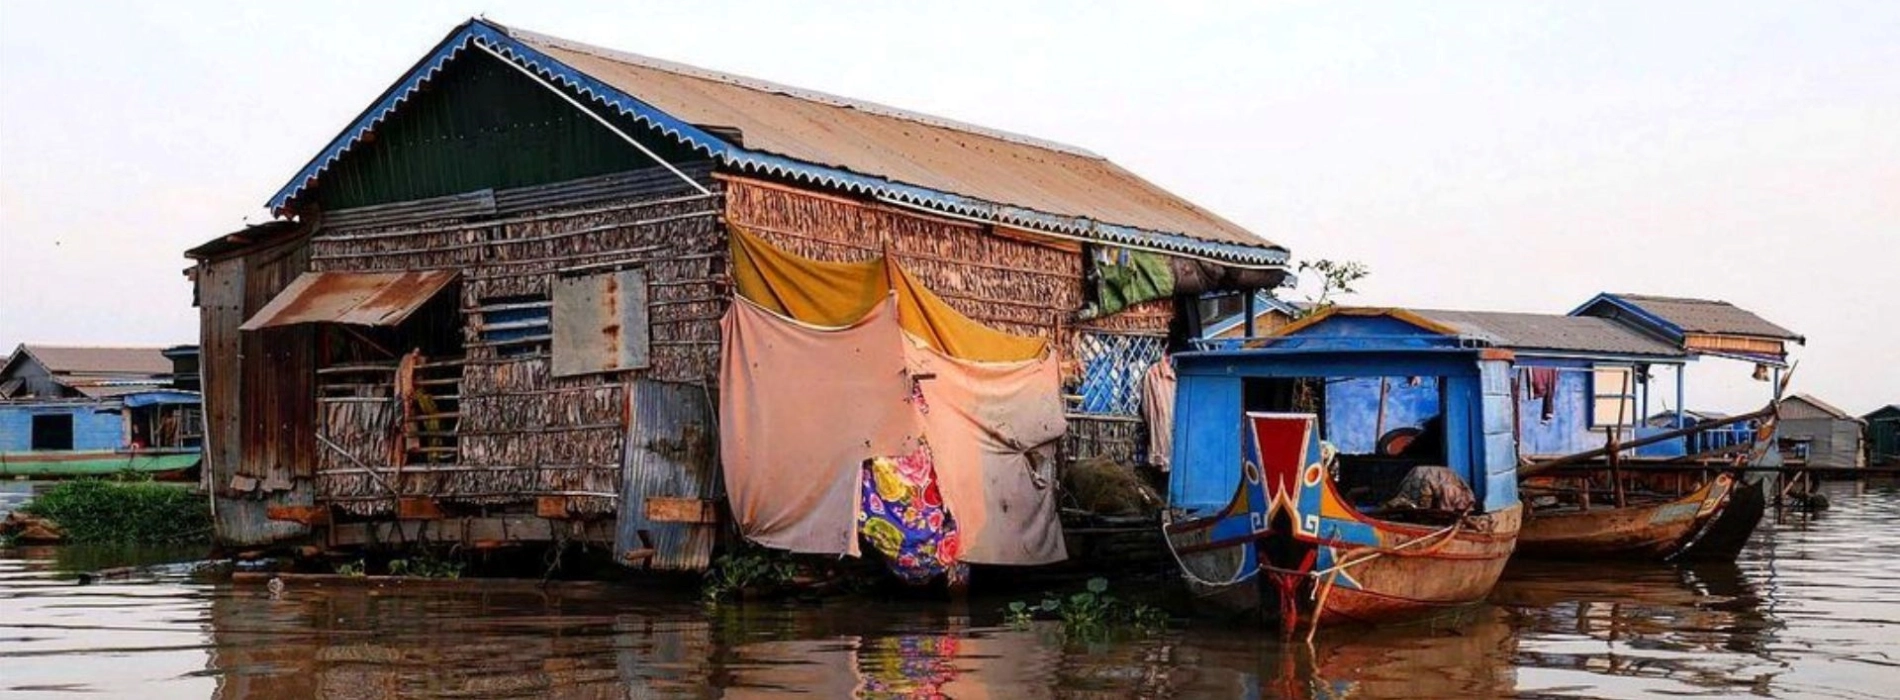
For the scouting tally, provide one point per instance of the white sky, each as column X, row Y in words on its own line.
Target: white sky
column 1502, row 156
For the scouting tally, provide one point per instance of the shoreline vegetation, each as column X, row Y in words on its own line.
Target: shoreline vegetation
column 122, row 511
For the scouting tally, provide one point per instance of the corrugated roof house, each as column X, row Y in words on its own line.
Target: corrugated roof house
column 1816, row 433
column 517, row 206
column 1702, row 326
column 60, row 371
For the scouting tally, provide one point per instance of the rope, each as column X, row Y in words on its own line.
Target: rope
column 1190, row 575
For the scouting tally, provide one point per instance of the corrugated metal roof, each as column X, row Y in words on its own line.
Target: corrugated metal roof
column 358, row 298
column 1824, row 406
column 1707, row 316
column 64, row 359
column 1577, row 334
column 845, row 144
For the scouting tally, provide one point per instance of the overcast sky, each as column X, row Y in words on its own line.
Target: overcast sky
column 1505, row 156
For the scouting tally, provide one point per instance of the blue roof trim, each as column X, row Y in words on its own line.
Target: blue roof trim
column 496, row 38
column 1659, row 322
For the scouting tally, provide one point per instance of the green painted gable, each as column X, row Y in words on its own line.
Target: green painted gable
column 480, row 124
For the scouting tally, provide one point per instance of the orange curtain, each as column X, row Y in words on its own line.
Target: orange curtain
column 838, row 294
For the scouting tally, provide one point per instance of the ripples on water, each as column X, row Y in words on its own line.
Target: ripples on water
column 1810, row 611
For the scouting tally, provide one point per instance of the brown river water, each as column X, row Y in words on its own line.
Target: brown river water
column 1812, row 610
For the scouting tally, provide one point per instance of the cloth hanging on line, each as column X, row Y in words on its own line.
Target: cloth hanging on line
column 801, row 407
column 903, row 517
column 1157, row 406
column 835, row 294
column 1543, row 386
column 992, row 430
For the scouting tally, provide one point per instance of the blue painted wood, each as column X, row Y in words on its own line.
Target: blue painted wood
column 1352, row 410
column 1498, row 444
column 96, row 426
column 1207, row 443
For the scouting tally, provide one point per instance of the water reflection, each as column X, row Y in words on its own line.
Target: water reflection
column 1810, row 611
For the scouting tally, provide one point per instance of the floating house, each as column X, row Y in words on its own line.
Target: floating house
column 1883, row 435
column 1226, row 316
column 88, row 411
column 1579, row 378
column 491, row 311
column 1815, row 433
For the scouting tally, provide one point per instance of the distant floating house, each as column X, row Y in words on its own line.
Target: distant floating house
column 1816, row 433
column 1883, row 435
column 492, row 310
column 1226, row 316
column 1576, row 377
column 77, row 411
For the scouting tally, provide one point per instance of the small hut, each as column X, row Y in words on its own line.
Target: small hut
column 1815, row 433
column 490, row 312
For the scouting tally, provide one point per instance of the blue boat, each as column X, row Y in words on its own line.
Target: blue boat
column 1290, row 500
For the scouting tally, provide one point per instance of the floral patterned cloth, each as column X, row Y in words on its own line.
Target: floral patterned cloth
column 904, row 519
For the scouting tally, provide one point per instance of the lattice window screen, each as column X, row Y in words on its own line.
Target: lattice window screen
column 1112, row 367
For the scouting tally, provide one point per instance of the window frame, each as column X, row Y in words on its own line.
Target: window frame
column 1601, row 419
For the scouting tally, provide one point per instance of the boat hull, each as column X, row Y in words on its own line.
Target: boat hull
column 1290, row 547
column 91, row 463
column 1649, row 531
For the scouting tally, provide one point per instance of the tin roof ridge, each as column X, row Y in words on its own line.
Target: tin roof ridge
column 806, row 94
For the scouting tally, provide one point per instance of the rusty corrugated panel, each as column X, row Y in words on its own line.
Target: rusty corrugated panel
column 669, row 453
column 358, row 298
column 896, row 144
column 600, row 323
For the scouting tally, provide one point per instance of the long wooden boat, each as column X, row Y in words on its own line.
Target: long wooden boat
column 1710, row 518
column 1657, row 529
column 1291, row 547
column 65, row 464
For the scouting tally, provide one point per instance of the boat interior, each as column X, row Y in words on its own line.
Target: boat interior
column 1376, row 465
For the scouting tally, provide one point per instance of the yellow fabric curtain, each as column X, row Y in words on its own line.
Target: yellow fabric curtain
column 838, row 294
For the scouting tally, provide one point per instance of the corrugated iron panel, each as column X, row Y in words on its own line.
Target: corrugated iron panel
column 633, row 184
column 670, row 452
column 837, row 143
column 1708, row 316
column 456, row 206
column 600, row 323
column 359, row 298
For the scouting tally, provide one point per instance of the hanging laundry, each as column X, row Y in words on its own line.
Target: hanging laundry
column 1119, row 278
column 903, row 516
column 1157, row 406
column 801, row 407
column 835, row 294
column 1543, row 386
column 992, row 429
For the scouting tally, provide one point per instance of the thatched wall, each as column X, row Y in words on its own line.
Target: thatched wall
column 1008, row 281
column 519, row 432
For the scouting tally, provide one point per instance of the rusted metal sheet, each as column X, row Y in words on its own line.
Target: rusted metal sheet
column 669, row 455
column 600, row 323
column 666, row 509
column 898, row 145
column 359, row 298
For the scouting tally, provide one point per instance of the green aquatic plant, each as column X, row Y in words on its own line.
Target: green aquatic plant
column 1090, row 612
column 426, row 565
column 352, row 569
column 739, row 571
column 125, row 512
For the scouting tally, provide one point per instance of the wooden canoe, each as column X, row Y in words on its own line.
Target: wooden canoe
column 1652, row 530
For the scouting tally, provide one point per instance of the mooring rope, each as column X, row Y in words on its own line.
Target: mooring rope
column 1196, row 579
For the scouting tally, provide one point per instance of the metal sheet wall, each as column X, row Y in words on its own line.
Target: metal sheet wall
column 671, row 451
